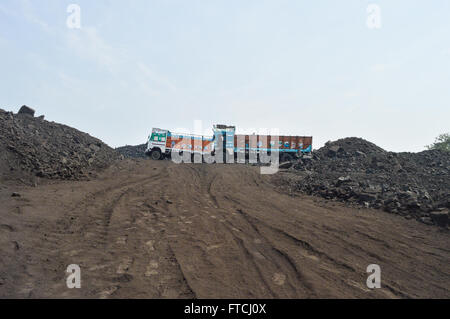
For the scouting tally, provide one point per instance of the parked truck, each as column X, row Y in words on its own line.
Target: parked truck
column 162, row 143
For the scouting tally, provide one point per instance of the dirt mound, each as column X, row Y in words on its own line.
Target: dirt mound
column 349, row 145
column 31, row 146
column 129, row 151
column 415, row 185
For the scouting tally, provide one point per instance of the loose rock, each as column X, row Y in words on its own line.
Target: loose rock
column 358, row 172
column 32, row 146
column 137, row 151
column 26, row 110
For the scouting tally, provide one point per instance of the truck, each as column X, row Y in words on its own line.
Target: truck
column 163, row 143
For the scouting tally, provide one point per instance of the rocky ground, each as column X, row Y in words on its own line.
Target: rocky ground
column 32, row 148
column 130, row 151
column 414, row 185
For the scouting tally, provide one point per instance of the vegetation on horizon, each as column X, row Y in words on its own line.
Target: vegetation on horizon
column 442, row 142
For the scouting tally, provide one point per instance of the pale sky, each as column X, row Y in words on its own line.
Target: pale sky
column 304, row 67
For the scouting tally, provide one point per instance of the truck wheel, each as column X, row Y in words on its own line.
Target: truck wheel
column 156, row 155
column 285, row 157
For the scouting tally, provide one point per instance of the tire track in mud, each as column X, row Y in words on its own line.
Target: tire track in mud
column 273, row 259
column 92, row 250
column 112, row 197
column 250, row 257
column 331, row 264
column 190, row 292
column 157, row 268
column 282, row 258
column 270, row 258
column 202, row 193
column 75, row 221
column 90, row 218
column 253, row 223
column 328, row 263
column 272, row 255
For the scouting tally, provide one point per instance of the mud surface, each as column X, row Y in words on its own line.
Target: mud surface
column 154, row 229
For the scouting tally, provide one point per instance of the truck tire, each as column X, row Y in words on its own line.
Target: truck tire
column 285, row 157
column 156, row 154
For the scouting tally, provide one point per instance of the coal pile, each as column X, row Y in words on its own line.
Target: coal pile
column 414, row 185
column 130, row 151
column 31, row 146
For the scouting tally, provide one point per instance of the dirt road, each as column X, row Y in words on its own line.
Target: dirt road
column 154, row 229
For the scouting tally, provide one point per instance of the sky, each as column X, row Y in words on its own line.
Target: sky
column 302, row 67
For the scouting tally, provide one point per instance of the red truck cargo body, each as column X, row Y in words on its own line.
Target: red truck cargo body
column 267, row 143
column 191, row 143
